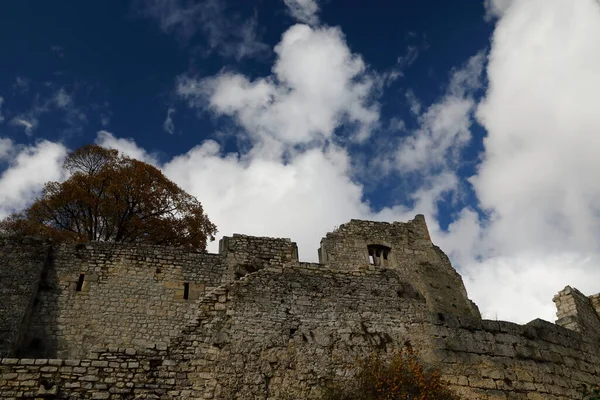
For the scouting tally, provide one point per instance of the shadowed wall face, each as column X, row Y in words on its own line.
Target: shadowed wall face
column 109, row 295
column 21, row 265
column 125, row 295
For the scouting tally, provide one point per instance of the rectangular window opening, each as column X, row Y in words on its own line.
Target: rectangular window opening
column 80, row 282
column 385, row 255
column 371, row 260
column 186, row 291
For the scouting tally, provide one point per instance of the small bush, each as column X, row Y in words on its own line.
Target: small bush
column 402, row 377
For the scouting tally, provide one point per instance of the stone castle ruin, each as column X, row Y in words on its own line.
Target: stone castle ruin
column 132, row 321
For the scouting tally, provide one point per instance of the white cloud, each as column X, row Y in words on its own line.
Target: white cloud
column 27, row 172
column 538, row 175
column 496, row 8
column 521, row 287
column 226, row 32
column 444, row 128
column 126, row 146
column 168, row 125
column 317, row 84
column 273, row 188
column 305, row 11
column 255, row 194
column 301, row 199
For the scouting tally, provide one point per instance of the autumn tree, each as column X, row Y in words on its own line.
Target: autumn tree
column 110, row 197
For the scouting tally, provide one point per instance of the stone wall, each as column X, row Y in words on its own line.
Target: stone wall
column 501, row 360
column 103, row 294
column 22, row 261
column 282, row 332
column 578, row 312
column 246, row 254
column 114, row 374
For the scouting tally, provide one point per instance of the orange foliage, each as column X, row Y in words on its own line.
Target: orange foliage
column 402, row 377
column 110, row 197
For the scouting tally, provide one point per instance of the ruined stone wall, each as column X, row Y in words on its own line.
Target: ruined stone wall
column 114, row 374
column 282, row 332
column 128, row 296
column 246, row 254
column 576, row 311
column 501, row 360
column 411, row 252
column 22, row 261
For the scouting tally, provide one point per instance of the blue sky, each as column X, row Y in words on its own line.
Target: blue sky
column 289, row 117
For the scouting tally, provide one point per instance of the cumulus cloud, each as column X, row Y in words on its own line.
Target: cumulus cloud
column 226, row 33
column 305, row 11
column 301, row 199
column 317, row 84
column 29, row 168
column 424, row 161
column 317, row 87
column 444, row 128
column 255, row 194
column 537, row 181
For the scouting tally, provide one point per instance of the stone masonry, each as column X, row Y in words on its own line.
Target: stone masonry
column 108, row 321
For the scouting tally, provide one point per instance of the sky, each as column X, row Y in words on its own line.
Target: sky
column 287, row 118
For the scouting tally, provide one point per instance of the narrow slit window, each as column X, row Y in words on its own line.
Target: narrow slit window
column 80, row 283
column 371, row 260
column 186, row 291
